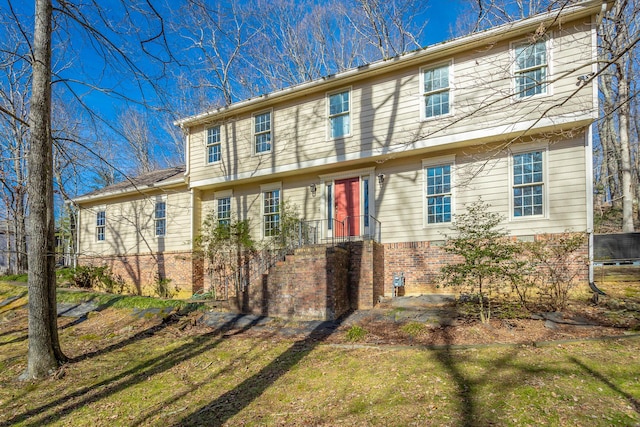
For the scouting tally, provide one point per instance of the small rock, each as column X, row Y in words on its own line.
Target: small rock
column 550, row 325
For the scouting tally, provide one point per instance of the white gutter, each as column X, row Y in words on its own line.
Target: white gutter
column 446, row 48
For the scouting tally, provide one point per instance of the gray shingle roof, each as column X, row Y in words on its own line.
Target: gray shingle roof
column 153, row 178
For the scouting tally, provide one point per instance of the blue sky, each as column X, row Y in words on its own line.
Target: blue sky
column 104, row 87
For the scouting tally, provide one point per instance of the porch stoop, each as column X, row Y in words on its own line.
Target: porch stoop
column 319, row 282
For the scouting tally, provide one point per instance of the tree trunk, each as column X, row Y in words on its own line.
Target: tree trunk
column 44, row 354
column 625, row 157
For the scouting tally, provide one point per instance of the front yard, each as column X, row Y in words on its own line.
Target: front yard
column 144, row 370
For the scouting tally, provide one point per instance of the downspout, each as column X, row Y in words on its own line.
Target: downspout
column 589, row 136
column 77, row 251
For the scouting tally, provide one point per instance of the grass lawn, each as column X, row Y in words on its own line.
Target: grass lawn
column 129, row 371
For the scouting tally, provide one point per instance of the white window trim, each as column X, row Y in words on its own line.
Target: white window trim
column 549, row 85
column 431, row 162
column 156, row 200
column 423, row 112
column 95, row 219
column 254, row 134
column 368, row 173
column 207, row 145
column 271, row 186
column 328, row 115
column 528, row 148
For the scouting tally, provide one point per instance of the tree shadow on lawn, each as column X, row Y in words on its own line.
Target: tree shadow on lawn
column 633, row 401
column 233, row 401
column 68, row 403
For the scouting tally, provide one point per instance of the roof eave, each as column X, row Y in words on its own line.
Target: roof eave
column 175, row 182
column 450, row 47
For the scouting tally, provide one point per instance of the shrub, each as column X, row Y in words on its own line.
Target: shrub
column 356, row 333
column 93, row 277
column 161, row 287
column 413, row 329
column 556, row 262
column 489, row 257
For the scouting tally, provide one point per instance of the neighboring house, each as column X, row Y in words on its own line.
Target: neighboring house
column 7, row 248
column 393, row 149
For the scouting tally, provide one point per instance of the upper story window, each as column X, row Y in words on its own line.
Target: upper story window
column 531, row 68
column 224, row 211
column 339, row 114
column 438, row 193
column 101, row 222
column 213, row 145
column 436, row 91
column 528, row 184
column 271, row 212
column 160, row 218
column 262, row 132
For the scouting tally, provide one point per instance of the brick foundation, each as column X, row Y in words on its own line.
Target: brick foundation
column 421, row 263
column 140, row 271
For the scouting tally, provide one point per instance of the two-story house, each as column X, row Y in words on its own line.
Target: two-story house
column 391, row 151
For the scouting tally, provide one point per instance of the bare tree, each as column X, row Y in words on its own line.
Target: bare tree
column 140, row 141
column 619, row 33
column 44, row 353
column 14, row 103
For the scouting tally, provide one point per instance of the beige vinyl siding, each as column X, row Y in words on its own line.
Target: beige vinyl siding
column 400, row 203
column 246, row 201
column 386, row 110
column 130, row 226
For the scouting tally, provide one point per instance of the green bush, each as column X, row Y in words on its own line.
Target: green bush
column 356, row 333
column 93, row 277
column 162, row 288
column 489, row 258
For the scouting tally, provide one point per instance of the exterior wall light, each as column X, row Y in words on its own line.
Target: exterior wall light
column 313, row 189
column 381, row 179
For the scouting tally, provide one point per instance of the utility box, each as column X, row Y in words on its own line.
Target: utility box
column 398, row 282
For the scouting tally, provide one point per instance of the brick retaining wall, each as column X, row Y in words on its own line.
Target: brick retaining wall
column 140, row 271
column 311, row 284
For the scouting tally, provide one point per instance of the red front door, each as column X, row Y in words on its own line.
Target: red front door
column 347, row 196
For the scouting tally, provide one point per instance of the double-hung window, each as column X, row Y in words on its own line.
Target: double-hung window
column 262, row 132
column 101, row 222
column 213, row 145
column 224, row 211
column 436, row 91
column 531, row 68
column 271, row 212
column 438, row 193
column 339, row 116
column 528, row 184
column 160, row 218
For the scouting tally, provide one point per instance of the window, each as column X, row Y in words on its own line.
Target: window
column 262, row 132
column 224, row 211
column 101, row 222
column 271, row 216
column 530, row 69
column 438, row 193
column 213, row 145
column 527, row 184
column 339, row 114
column 436, row 91
column 160, row 218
